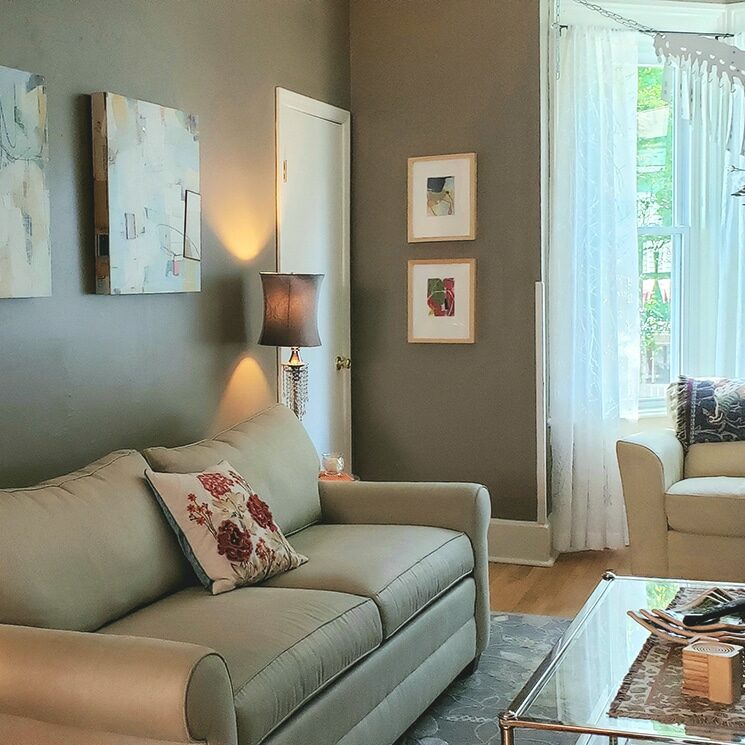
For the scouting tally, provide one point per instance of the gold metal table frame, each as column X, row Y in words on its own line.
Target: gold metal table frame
column 518, row 715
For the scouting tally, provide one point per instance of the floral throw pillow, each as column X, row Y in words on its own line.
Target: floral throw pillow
column 225, row 529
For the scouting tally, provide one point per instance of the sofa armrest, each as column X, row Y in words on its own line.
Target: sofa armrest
column 650, row 463
column 146, row 688
column 462, row 507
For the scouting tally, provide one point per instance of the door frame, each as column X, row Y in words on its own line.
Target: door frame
column 286, row 100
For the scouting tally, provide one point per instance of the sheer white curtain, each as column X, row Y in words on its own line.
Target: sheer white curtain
column 593, row 281
column 711, row 115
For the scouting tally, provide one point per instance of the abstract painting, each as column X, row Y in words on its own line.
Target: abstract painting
column 25, row 257
column 442, row 301
column 147, row 199
column 441, row 297
column 440, row 195
column 442, row 198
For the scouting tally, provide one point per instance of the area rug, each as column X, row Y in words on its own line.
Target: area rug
column 653, row 689
column 653, row 686
column 468, row 712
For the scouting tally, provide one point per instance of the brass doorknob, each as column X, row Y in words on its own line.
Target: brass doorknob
column 343, row 363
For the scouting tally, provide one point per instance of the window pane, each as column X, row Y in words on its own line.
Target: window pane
column 656, row 288
column 654, row 151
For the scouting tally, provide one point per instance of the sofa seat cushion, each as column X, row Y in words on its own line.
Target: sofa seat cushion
column 713, row 505
column 281, row 646
column 401, row 568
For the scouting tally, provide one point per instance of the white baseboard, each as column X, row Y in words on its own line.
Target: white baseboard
column 520, row 542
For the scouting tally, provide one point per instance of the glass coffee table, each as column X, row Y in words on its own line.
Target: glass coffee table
column 572, row 690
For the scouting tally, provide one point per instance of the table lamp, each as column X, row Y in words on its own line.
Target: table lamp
column 291, row 320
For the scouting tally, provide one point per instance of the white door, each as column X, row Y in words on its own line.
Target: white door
column 313, row 237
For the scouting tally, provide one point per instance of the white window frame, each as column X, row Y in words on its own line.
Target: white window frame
column 678, row 15
column 680, row 235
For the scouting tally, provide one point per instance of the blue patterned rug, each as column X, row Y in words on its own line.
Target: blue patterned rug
column 467, row 713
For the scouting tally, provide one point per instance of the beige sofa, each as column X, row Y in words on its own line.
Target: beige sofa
column 105, row 639
column 686, row 512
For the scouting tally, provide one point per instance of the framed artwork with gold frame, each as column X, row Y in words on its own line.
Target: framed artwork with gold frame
column 442, row 198
column 442, row 301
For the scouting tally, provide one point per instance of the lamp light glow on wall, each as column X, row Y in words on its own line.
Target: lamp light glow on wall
column 291, row 320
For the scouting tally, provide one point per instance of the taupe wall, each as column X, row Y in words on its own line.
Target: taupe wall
column 431, row 77
column 79, row 374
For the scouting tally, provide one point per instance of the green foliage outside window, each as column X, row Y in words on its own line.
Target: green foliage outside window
column 655, row 178
column 655, row 154
column 655, row 320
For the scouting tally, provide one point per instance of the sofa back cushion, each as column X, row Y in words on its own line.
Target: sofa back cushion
column 272, row 451
column 82, row 550
column 715, row 459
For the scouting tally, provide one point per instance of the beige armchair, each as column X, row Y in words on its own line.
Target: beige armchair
column 686, row 511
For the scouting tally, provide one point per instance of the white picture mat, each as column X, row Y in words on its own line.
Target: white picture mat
column 431, row 226
column 450, row 328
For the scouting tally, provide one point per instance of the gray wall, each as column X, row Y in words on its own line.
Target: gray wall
column 81, row 375
column 431, row 77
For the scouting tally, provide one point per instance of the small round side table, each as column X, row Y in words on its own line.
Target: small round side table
column 323, row 476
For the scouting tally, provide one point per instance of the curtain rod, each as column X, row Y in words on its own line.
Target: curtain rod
column 715, row 34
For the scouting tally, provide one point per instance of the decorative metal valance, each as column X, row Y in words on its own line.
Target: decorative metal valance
column 702, row 54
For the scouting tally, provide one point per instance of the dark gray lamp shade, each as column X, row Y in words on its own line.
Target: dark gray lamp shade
column 290, row 310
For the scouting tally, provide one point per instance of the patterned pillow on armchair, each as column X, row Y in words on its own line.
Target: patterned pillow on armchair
column 709, row 410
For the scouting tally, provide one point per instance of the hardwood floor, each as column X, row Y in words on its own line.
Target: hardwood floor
column 560, row 590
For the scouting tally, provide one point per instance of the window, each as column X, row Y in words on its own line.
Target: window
column 690, row 224
column 662, row 231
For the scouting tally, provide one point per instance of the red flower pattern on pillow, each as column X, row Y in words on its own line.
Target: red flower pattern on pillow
column 217, row 484
column 201, row 514
column 260, row 512
column 245, row 544
column 265, row 553
column 233, row 543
